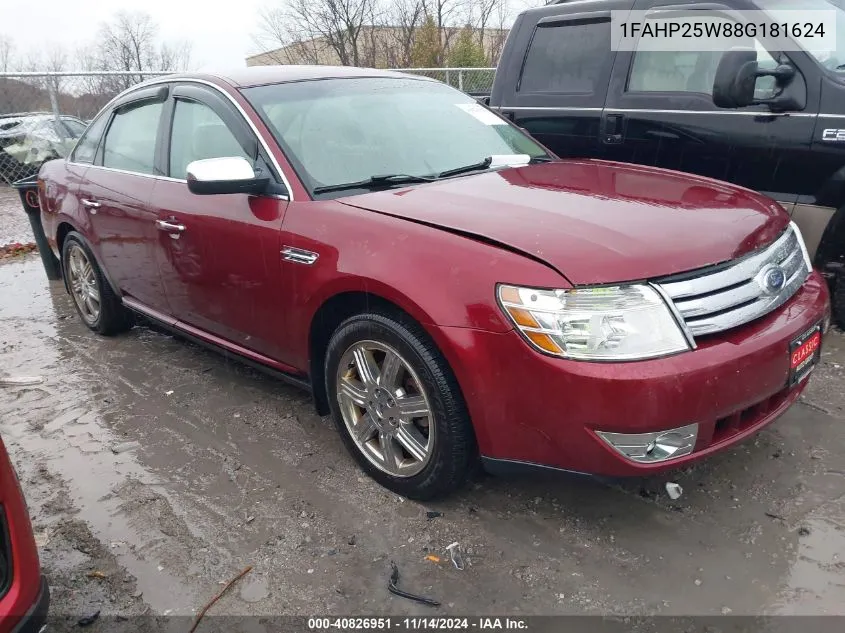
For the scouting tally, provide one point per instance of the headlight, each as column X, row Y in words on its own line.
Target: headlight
column 605, row 323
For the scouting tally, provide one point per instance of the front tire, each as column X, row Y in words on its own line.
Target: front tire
column 98, row 306
column 398, row 406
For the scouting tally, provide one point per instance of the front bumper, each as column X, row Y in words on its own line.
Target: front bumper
column 35, row 618
column 531, row 408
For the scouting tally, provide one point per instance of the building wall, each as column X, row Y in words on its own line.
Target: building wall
column 379, row 47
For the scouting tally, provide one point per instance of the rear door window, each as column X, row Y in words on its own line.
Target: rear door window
column 86, row 150
column 567, row 58
column 131, row 139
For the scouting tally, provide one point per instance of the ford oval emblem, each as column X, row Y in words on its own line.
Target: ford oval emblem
column 774, row 280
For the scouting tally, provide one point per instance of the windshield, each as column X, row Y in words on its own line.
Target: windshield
column 832, row 60
column 338, row 131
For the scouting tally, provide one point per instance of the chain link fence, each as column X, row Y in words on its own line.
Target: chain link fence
column 43, row 114
column 473, row 81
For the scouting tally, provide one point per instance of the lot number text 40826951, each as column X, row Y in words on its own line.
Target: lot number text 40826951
column 416, row 624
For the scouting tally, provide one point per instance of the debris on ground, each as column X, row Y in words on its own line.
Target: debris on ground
column 16, row 249
column 117, row 449
column 96, row 574
column 674, row 490
column 21, row 381
column 803, row 531
column 88, row 620
column 454, row 550
column 351, row 540
column 433, row 514
column 434, row 558
column 392, row 587
column 772, row 515
column 168, row 393
column 219, row 595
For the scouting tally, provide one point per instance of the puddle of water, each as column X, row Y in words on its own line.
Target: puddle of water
column 255, row 590
column 818, row 573
column 74, row 441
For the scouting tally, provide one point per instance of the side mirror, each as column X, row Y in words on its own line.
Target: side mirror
column 231, row 174
column 736, row 79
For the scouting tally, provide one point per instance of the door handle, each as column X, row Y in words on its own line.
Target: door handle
column 174, row 228
column 612, row 132
column 91, row 205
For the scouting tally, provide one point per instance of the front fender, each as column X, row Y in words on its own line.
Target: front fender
column 439, row 278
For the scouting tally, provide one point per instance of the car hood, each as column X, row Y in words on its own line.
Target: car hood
column 594, row 221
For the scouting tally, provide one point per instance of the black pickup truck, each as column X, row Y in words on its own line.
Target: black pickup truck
column 769, row 120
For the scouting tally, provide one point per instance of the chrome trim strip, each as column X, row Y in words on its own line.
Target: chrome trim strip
column 741, row 113
column 740, row 316
column 299, row 255
column 658, row 111
column 546, row 108
column 729, row 297
column 675, row 315
column 743, row 270
column 277, row 196
column 172, row 79
column 803, row 245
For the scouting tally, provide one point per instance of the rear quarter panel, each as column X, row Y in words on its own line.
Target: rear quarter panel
column 59, row 182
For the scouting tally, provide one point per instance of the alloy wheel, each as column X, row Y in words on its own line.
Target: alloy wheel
column 83, row 284
column 385, row 408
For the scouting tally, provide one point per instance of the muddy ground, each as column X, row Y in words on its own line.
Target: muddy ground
column 168, row 469
column 14, row 225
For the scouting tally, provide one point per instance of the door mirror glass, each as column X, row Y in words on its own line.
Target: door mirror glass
column 740, row 81
column 736, row 76
column 232, row 174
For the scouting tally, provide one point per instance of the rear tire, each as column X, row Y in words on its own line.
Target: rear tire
column 96, row 303
column 403, row 417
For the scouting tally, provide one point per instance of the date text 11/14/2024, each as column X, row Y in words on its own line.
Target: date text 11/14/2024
column 416, row 623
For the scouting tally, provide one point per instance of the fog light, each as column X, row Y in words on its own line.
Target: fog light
column 648, row 448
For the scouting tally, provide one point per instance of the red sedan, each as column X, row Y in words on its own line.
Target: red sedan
column 446, row 288
column 24, row 595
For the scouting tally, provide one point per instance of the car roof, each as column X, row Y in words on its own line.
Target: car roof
column 264, row 75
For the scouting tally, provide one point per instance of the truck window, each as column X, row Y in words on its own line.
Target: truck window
column 688, row 71
column 566, row 58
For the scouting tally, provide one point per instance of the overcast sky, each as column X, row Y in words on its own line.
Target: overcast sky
column 219, row 31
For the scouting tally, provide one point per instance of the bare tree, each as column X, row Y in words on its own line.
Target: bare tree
column 333, row 28
column 130, row 43
column 481, row 14
column 447, row 14
column 7, row 53
column 8, row 88
column 404, row 18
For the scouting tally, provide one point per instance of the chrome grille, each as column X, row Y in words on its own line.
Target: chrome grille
column 725, row 296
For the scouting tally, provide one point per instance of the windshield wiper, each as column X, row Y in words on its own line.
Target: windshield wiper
column 540, row 159
column 457, row 171
column 380, row 180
